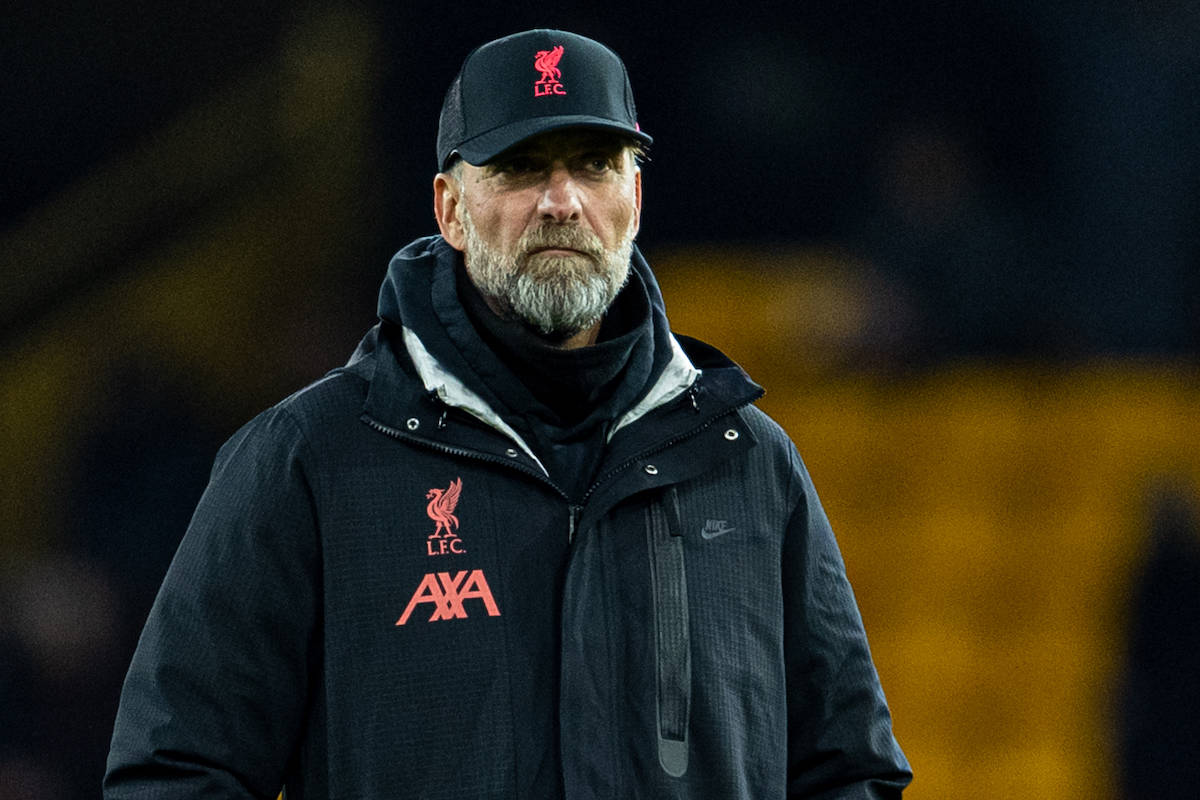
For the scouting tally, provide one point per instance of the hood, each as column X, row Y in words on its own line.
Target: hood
column 409, row 271
column 404, row 305
column 403, row 296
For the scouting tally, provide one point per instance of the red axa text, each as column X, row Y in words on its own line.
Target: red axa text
column 447, row 592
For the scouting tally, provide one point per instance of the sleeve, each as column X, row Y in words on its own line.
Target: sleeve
column 840, row 742
column 214, row 700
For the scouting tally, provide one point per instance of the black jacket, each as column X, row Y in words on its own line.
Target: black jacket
column 382, row 595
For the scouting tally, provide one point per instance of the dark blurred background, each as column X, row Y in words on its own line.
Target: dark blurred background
column 958, row 243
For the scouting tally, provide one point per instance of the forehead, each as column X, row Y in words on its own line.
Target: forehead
column 565, row 143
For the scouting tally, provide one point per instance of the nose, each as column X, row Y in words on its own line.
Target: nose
column 560, row 201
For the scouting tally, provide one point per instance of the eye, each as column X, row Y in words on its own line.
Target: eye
column 516, row 165
column 598, row 163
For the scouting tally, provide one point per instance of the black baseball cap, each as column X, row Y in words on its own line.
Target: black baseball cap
column 529, row 83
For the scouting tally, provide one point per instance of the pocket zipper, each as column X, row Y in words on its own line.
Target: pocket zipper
column 672, row 638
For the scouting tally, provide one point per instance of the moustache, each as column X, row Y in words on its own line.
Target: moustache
column 566, row 237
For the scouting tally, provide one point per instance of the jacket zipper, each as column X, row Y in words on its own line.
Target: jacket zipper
column 673, row 666
column 667, row 445
column 459, row 451
column 573, row 511
column 577, row 510
column 672, row 637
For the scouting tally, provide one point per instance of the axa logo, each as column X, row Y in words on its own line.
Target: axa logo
column 546, row 62
column 448, row 593
column 440, row 509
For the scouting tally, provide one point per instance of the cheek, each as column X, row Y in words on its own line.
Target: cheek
column 622, row 216
column 498, row 223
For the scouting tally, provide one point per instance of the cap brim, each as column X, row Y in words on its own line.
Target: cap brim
column 486, row 146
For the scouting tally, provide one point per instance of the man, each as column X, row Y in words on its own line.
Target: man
column 527, row 543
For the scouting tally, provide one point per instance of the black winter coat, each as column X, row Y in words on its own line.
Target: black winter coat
column 381, row 595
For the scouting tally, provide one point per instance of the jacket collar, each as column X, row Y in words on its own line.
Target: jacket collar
column 676, row 378
column 394, row 400
column 451, row 391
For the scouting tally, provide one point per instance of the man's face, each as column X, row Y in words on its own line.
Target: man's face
column 547, row 227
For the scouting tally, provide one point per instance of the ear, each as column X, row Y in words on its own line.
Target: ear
column 446, row 196
column 637, row 195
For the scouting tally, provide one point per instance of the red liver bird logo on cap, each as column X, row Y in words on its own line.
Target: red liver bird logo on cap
column 546, row 62
column 442, row 503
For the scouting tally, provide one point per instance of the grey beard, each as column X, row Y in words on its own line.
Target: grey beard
column 558, row 296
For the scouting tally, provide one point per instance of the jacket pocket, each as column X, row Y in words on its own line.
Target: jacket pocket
column 672, row 639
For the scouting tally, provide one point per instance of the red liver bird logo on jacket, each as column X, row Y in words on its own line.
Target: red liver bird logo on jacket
column 442, row 503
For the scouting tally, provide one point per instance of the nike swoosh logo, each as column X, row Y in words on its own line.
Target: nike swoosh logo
column 709, row 534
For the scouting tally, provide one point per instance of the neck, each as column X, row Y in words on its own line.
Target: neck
column 585, row 338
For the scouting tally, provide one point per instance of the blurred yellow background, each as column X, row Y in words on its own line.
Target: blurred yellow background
column 992, row 517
